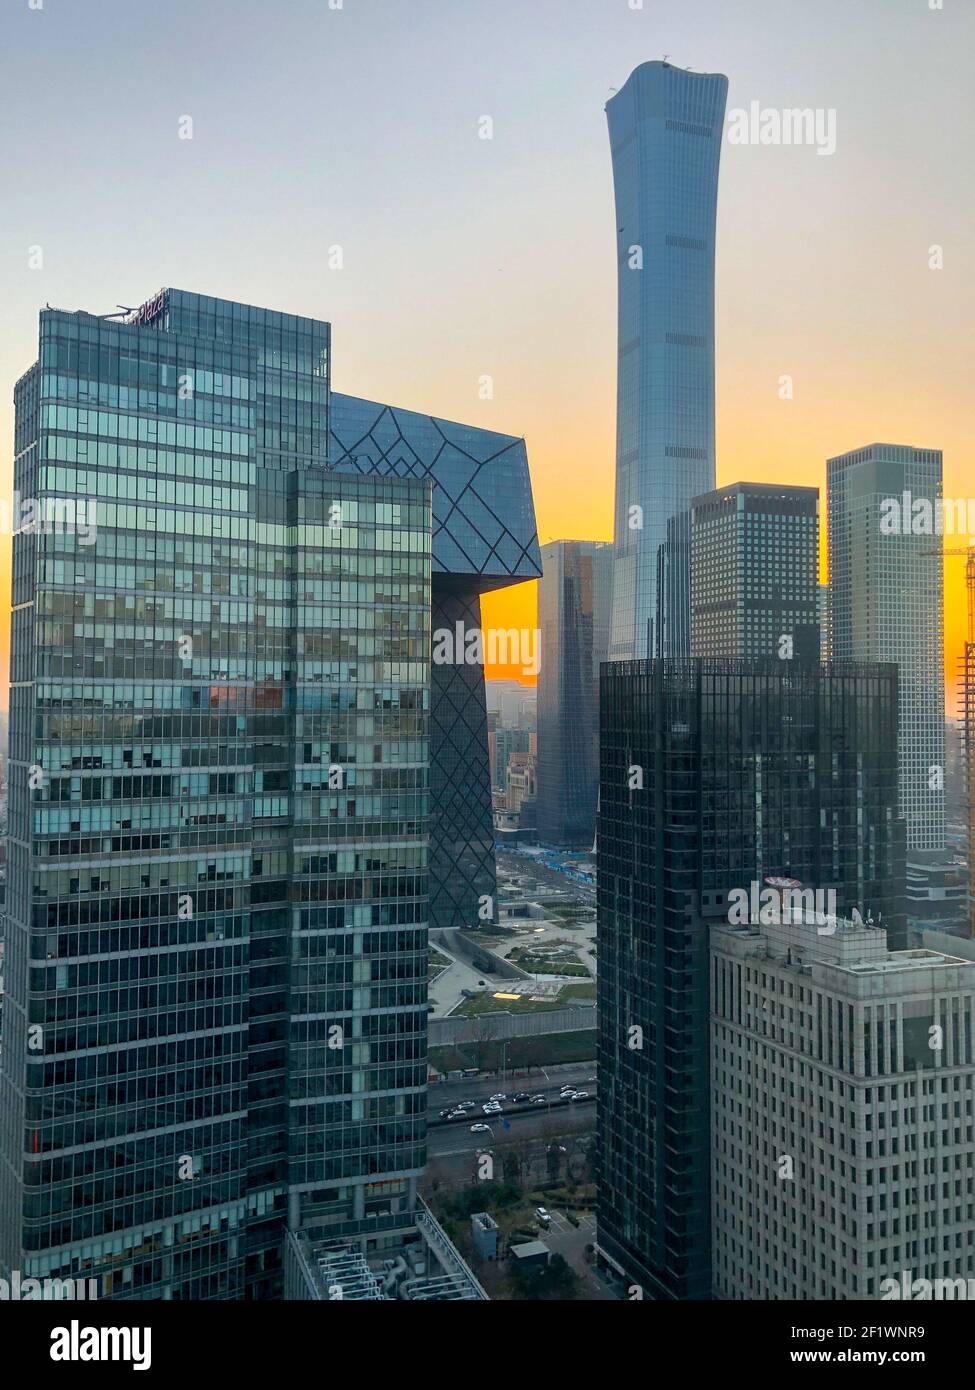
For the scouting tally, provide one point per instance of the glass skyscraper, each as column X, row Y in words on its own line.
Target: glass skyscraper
column 573, row 604
column 665, row 130
column 714, row 774
column 216, row 1009
column 886, row 597
column 484, row 538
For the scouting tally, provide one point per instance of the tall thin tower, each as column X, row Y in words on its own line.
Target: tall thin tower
column 665, row 128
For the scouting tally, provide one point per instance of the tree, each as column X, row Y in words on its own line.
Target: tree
column 555, row 1280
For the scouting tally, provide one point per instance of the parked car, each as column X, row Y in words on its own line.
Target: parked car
column 542, row 1215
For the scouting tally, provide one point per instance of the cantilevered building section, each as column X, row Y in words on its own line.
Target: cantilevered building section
column 886, row 593
column 715, row 775
column 484, row 538
column 665, row 130
column 215, row 1024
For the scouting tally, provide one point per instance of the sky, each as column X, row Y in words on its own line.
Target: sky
column 318, row 124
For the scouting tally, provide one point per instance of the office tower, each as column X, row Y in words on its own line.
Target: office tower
column 522, row 785
column 968, row 750
column 842, row 1091
column 602, row 608
column 754, row 567
column 506, row 743
column 518, row 707
column 887, row 604
column 571, row 599
column 215, row 1030
column 665, row 130
column 484, row 538
column 714, row 775
column 825, row 636
column 672, row 631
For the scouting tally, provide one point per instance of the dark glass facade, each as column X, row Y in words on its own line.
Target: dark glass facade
column 755, row 572
column 714, row 774
column 484, row 538
column 215, row 1019
column 673, row 628
column 572, row 603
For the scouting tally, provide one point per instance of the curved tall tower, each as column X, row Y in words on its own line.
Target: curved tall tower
column 665, row 129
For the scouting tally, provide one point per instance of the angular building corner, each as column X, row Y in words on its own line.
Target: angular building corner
column 484, row 538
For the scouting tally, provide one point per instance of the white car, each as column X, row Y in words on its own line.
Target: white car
column 580, row 1095
column 542, row 1215
column 500, row 1096
column 480, row 1129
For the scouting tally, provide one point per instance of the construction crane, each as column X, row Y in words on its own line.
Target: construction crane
column 969, row 551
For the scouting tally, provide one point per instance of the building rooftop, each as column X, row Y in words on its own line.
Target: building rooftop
column 423, row 1266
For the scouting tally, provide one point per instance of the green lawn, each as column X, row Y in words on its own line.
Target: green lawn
column 485, row 1003
column 546, row 1051
column 540, row 964
column 437, row 961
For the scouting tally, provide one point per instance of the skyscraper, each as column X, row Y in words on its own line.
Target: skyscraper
column 215, row 1026
column 484, row 538
column 754, row 572
column 665, row 130
column 825, row 637
column 714, row 775
column 506, row 742
column 886, row 593
column 572, row 603
column 842, row 1094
